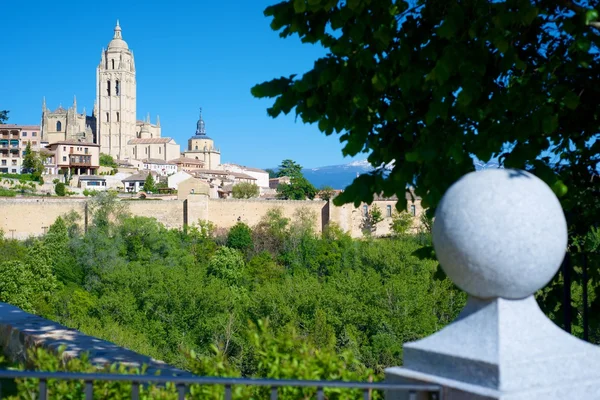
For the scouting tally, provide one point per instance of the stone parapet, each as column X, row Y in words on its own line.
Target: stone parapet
column 20, row 331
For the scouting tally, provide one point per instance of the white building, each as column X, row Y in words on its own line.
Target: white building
column 174, row 180
column 161, row 167
column 261, row 176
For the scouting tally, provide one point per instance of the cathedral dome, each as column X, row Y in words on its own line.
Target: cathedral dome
column 117, row 43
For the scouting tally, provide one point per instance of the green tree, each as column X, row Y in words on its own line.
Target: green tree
column 289, row 168
column 227, row 264
column 272, row 173
column 3, row 116
column 60, row 189
column 149, row 185
column 424, row 86
column 240, row 237
column 401, row 223
column 326, row 193
column 106, row 160
column 245, row 190
column 29, row 159
column 299, row 188
column 33, row 164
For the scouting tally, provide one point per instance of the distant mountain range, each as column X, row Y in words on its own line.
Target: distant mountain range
column 340, row 176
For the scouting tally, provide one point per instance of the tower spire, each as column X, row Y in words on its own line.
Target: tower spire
column 75, row 103
column 44, row 103
column 117, row 31
column 200, row 128
column 157, row 120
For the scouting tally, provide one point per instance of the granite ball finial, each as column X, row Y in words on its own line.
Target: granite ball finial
column 500, row 233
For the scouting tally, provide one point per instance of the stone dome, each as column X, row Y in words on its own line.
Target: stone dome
column 117, row 43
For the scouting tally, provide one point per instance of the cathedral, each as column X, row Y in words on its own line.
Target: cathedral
column 113, row 124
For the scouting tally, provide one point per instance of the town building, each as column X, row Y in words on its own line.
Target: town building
column 188, row 164
column 275, row 182
column 161, row 167
column 261, row 176
column 13, row 142
column 93, row 182
column 76, row 158
column 201, row 147
column 135, row 183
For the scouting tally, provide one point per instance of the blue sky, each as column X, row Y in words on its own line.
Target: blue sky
column 187, row 54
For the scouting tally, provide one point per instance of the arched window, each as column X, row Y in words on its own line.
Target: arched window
column 108, row 88
column 107, row 117
column 117, row 88
column 113, row 64
column 118, row 117
column 58, row 126
column 196, row 148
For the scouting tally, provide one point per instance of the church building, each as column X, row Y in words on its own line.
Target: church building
column 114, row 124
column 201, row 147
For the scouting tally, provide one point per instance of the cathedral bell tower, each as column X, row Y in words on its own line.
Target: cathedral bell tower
column 116, row 98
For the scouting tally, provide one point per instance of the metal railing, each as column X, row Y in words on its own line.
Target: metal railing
column 182, row 384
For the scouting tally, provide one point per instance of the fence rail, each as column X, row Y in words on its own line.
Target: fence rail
column 182, row 384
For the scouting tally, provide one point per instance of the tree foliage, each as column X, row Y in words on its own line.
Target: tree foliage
column 240, row 237
column 245, row 190
column 427, row 85
column 106, row 160
column 401, row 223
column 149, row 184
column 33, row 164
column 4, row 116
column 326, row 193
column 60, row 189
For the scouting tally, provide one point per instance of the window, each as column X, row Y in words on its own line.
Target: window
column 113, row 63
column 34, row 143
column 24, row 134
column 159, row 150
column 118, row 117
column 34, row 134
column 14, row 162
column 365, row 210
column 117, row 88
column 3, row 162
column 58, row 126
column 64, row 148
column 107, row 117
column 196, row 149
column 389, row 210
column 64, row 158
column 413, row 210
column 23, row 154
column 14, row 171
column 108, row 88
column 85, row 150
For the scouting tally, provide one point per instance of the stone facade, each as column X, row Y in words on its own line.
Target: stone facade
column 67, row 124
column 113, row 124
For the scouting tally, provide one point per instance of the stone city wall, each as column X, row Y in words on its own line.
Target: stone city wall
column 24, row 217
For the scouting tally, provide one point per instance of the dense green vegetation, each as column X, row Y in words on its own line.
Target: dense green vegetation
column 163, row 292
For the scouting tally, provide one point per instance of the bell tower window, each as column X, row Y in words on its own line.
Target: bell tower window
column 108, row 88
column 58, row 126
column 118, row 119
column 113, row 64
column 117, row 88
column 107, row 117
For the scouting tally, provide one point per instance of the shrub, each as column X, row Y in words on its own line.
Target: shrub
column 240, row 237
column 60, row 189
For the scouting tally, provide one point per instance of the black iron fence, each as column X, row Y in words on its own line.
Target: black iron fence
column 183, row 384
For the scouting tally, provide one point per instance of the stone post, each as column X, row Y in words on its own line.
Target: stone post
column 501, row 235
